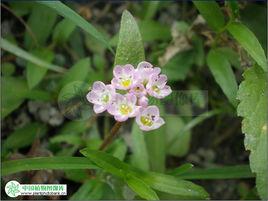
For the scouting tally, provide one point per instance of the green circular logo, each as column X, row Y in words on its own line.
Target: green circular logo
column 12, row 188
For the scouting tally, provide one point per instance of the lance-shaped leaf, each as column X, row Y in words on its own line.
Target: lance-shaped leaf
column 130, row 47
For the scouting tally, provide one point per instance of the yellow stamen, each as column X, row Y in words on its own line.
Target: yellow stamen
column 146, row 121
column 125, row 109
column 156, row 89
column 126, row 83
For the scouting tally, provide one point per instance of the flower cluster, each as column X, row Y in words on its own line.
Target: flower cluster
column 127, row 95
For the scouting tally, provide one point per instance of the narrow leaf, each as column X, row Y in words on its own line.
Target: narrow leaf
column 130, row 48
column 141, row 188
column 211, row 11
column 231, row 172
column 223, row 74
column 44, row 163
column 63, row 31
column 249, row 42
column 13, row 49
column 68, row 13
column 182, row 169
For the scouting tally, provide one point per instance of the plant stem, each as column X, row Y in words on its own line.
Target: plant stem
column 108, row 140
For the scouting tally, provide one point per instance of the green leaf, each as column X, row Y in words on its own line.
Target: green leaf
column 77, row 72
column 223, row 74
column 232, row 56
column 152, row 30
column 152, row 7
column 178, row 67
column 157, row 181
column 68, row 13
column 175, row 186
column 35, row 73
column 7, row 69
column 63, row 31
column 249, row 42
column 155, row 141
column 211, row 11
column 118, row 149
column 141, row 188
column 130, row 47
column 227, row 172
column 24, row 136
column 182, row 169
column 45, row 163
column 91, row 190
column 13, row 49
column 15, row 90
column 140, row 158
column 253, row 98
column 177, row 142
column 39, row 14
column 106, row 162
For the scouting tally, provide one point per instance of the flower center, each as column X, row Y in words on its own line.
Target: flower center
column 126, row 83
column 155, row 89
column 125, row 109
column 146, row 121
column 105, row 98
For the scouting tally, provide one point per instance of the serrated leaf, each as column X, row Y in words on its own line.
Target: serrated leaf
column 63, row 31
column 249, row 42
column 211, row 11
column 35, row 73
column 130, row 48
column 141, row 188
column 223, row 74
column 253, row 98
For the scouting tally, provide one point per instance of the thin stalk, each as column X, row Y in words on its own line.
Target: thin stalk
column 108, row 140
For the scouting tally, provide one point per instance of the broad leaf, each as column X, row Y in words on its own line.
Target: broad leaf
column 63, row 31
column 24, row 136
column 249, row 42
column 252, row 107
column 35, row 73
column 130, row 48
column 45, row 163
column 68, row 13
column 211, row 11
column 232, row 56
column 41, row 33
column 78, row 72
column 13, row 49
column 223, row 74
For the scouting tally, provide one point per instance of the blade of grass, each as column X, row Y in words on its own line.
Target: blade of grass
column 44, row 163
column 230, row 172
column 13, row 49
column 70, row 14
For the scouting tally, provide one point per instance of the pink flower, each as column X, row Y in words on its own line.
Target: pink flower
column 145, row 70
column 138, row 90
column 123, row 77
column 101, row 96
column 149, row 119
column 157, row 87
column 123, row 107
column 143, row 101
